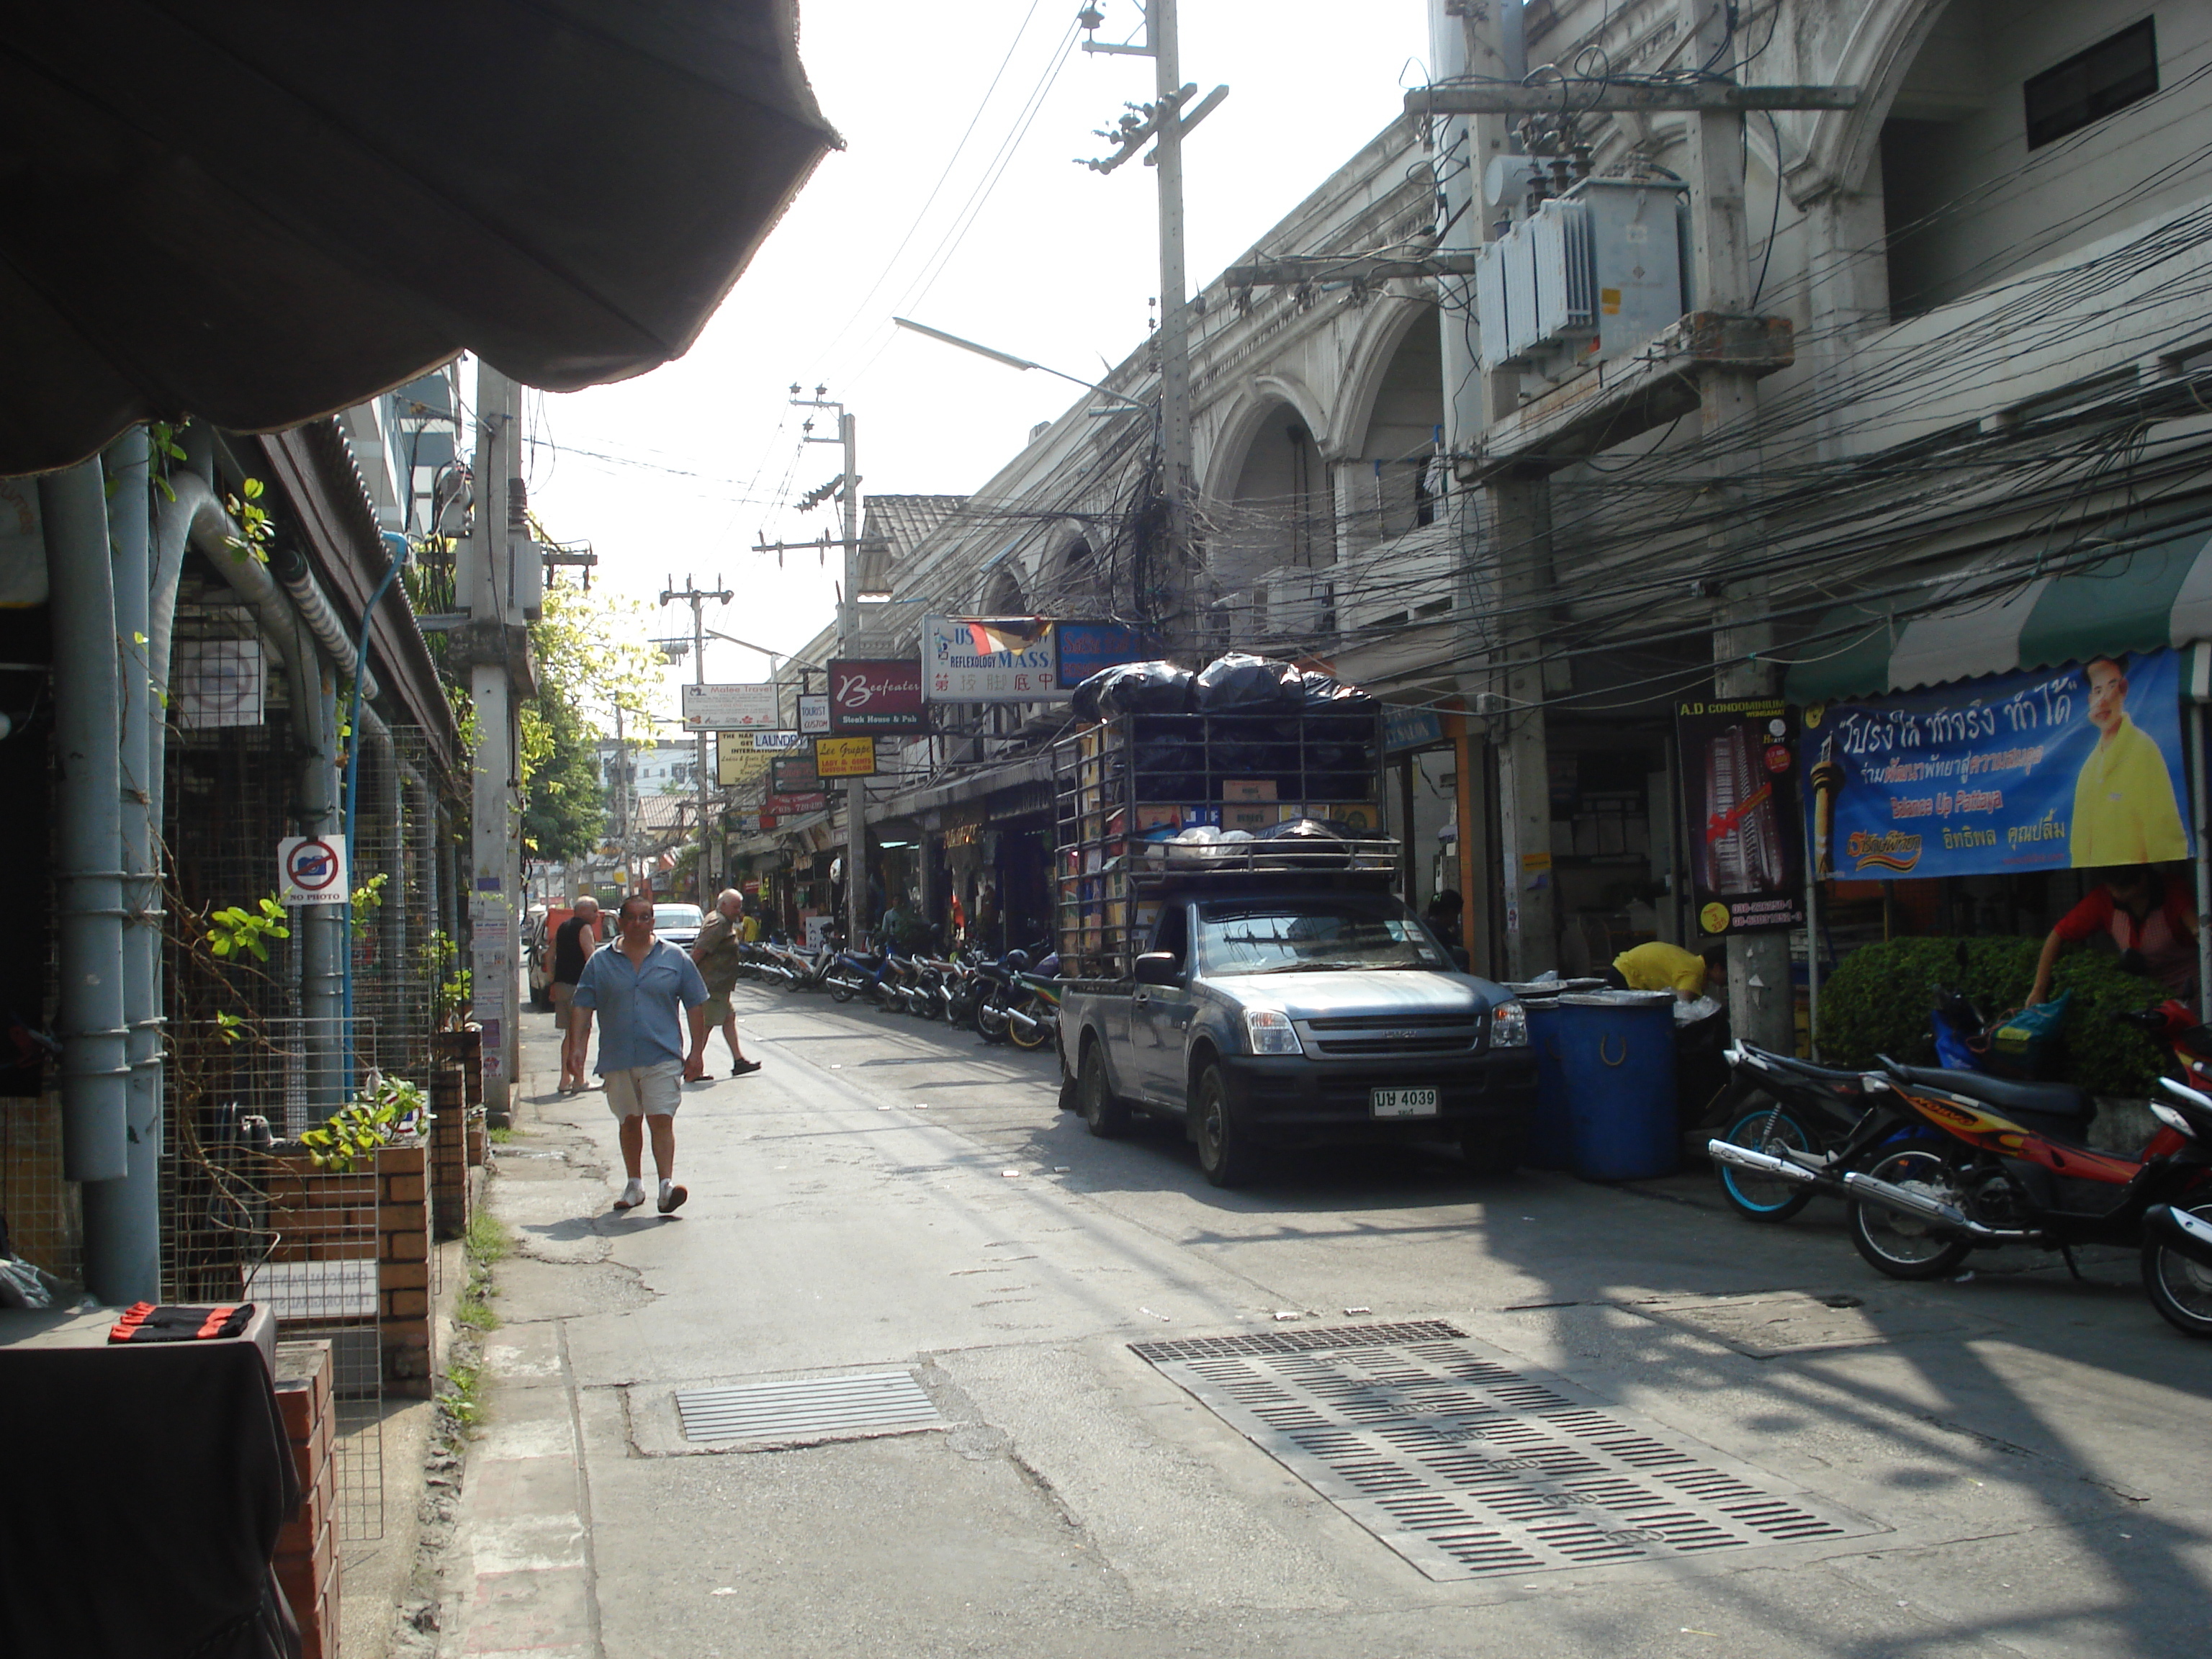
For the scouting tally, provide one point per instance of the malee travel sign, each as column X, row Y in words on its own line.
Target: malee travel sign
column 730, row 707
column 2076, row 766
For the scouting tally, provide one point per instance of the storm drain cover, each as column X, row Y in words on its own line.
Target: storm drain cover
column 809, row 1406
column 1470, row 1468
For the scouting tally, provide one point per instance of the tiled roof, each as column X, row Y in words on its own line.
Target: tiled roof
column 902, row 521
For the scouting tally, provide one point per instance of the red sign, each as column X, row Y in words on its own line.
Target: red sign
column 875, row 695
column 790, row 806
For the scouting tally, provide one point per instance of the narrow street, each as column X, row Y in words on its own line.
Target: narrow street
column 2010, row 1465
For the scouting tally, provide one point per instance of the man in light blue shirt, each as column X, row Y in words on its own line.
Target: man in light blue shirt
column 636, row 990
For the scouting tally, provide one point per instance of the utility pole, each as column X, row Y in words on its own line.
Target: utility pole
column 495, row 649
column 698, row 597
column 849, row 642
column 1163, row 123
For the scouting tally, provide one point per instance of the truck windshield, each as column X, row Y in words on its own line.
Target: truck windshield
column 1311, row 935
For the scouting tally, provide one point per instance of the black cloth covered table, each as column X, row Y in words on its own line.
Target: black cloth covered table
column 141, row 1491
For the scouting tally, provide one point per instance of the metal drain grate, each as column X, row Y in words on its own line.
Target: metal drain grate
column 811, row 1405
column 1468, row 1468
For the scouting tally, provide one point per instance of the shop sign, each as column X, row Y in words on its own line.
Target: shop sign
column 845, row 757
column 794, row 774
column 736, row 760
column 1411, row 728
column 730, row 707
column 2079, row 766
column 791, row 806
column 1086, row 647
column 1738, row 806
column 814, row 715
column 875, row 695
column 990, row 658
column 770, row 743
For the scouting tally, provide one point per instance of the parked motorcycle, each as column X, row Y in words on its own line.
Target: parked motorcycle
column 1783, row 1107
column 2177, row 1259
column 2014, row 1169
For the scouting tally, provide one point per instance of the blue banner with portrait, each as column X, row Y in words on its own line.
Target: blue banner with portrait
column 2079, row 766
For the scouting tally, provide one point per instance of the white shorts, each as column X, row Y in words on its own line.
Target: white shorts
column 653, row 1091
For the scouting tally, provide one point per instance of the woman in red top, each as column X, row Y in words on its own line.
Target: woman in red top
column 2144, row 915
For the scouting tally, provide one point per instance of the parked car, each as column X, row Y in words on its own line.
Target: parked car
column 679, row 924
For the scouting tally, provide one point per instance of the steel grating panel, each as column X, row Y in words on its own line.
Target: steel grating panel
column 1468, row 1468
column 806, row 1407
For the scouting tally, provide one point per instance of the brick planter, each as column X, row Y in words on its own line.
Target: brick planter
column 307, row 1549
column 403, row 1271
column 478, row 1138
column 449, row 1158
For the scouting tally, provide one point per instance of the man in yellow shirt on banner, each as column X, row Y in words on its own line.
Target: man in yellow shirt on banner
column 2124, row 811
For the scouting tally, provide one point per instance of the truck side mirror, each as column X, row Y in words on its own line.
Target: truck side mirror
column 1159, row 967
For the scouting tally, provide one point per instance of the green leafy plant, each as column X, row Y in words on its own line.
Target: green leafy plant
column 235, row 931
column 367, row 899
column 387, row 1109
column 451, row 984
column 1878, row 1003
column 255, row 527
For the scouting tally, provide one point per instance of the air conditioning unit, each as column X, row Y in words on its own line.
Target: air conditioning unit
column 1589, row 277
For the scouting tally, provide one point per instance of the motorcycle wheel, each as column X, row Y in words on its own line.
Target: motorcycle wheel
column 1755, row 1197
column 1902, row 1246
column 1037, row 1036
column 991, row 1022
column 2181, row 1289
column 842, row 987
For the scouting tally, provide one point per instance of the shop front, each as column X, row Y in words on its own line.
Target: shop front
column 1991, row 806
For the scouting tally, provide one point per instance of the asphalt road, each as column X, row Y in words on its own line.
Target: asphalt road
column 2019, row 1459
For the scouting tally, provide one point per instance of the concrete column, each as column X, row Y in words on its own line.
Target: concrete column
column 1521, row 524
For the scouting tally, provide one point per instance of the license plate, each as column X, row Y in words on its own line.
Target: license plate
column 1402, row 1103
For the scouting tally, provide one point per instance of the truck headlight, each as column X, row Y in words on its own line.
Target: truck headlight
column 1270, row 1032
column 1509, row 1026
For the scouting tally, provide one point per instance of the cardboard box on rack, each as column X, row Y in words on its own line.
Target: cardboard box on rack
column 1363, row 816
column 1247, row 789
column 1158, row 817
column 1248, row 817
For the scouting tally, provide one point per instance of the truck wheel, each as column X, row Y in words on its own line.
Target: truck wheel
column 1493, row 1151
column 1224, row 1155
column 1106, row 1115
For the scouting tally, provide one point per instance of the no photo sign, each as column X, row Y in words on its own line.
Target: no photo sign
column 311, row 871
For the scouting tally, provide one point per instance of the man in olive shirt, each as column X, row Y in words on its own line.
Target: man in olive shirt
column 2124, row 811
column 716, row 952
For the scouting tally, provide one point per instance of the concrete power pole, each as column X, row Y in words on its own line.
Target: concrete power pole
column 1761, row 1001
column 848, row 643
column 697, row 596
column 497, row 652
column 1163, row 123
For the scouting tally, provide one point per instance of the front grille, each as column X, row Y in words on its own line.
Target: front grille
column 1388, row 1036
column 1397, row 1022
column 1422, row 1044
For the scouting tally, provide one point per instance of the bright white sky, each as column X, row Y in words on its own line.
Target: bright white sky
column 681, row 470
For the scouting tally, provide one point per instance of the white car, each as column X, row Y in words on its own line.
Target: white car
column 679, row 924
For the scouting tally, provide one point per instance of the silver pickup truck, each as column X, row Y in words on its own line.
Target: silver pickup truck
column 1299, row 1009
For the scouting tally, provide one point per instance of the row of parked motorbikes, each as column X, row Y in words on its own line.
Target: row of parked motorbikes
column 1936, row 1163
column 1013, row 998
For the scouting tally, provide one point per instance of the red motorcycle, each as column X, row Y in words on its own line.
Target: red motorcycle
column 2014, row 1168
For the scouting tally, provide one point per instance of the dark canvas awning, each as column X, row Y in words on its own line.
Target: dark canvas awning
column 1997, row 617
column 256, row 212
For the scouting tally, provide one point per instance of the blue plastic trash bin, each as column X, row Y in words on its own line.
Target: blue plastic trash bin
column 1617, row 1064
column 1550, row 1144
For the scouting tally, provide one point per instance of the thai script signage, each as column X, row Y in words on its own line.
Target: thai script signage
column 1739, row 812
column 2074, row 766
column 875, row 695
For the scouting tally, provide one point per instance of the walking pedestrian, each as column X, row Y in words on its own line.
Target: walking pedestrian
column 637, row 988
column 573, row 941
column 716, row 951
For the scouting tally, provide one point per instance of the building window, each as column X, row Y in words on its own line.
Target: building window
column 2090, row 85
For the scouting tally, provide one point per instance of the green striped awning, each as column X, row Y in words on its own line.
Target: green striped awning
column 2155, row 594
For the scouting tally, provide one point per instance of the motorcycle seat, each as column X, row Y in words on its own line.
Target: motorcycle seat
column 1805, row 1069
column 2062, row 1103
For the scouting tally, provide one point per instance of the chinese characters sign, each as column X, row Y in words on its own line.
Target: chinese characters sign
column 2076, row 766
column 875, row 695
column 990, row 660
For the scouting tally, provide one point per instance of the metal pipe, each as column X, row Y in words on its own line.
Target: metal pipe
column 1747, row 1158
column 123, row 1218
column 355, row 732
column 1868, row 1190
column 95, row 1067
column 290, row 569
column 325, row 937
